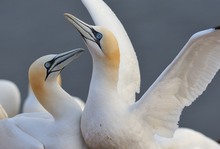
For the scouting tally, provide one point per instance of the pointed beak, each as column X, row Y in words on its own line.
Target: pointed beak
column 63, row 59
column 84, row 29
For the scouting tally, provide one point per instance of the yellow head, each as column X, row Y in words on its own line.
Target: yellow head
column 47, row 69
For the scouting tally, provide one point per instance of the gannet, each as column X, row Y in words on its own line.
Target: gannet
column 9, row 97
column 110, row 122
column 63, row 131
column 129, row 73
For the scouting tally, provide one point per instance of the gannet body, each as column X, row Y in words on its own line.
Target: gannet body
column 9, row 97
column 129, row 73
column 61, row 131
column 109, row 122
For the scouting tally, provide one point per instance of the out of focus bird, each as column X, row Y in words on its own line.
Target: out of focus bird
column 10, row 97
column 3, row 113
column 60, row 131
column 108, row 121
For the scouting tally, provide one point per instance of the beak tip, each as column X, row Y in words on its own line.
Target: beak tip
column 66, row 15
column 81, row 50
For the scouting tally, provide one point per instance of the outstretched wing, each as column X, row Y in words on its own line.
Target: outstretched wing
column 181, row 82
column 129, row 73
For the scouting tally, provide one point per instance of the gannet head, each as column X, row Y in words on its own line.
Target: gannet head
column 100, row 41
column 47, row 68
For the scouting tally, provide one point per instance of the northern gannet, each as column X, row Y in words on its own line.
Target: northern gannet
column 63, row 131
column 109, row 122
column 9, row 97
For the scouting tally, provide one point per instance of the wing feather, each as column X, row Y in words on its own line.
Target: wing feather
column 181, row 82
column 129, row 73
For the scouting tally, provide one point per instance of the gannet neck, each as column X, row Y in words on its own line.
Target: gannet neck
column 31, row 104
column 54, row 99
column 107, row 75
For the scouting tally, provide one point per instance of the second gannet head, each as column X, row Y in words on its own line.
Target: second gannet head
column 100, row 41
column 44, row 72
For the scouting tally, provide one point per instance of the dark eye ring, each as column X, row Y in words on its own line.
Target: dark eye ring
column 47, row 65
column 98, row 36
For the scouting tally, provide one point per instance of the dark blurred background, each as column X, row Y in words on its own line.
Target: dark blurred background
column 158, row 30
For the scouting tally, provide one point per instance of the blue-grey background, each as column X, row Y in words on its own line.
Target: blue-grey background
column 158, row 30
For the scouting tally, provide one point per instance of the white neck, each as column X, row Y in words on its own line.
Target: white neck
column 103, row 83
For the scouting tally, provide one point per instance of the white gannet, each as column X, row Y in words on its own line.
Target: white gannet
column 129, row 73
column 63, row 131
column 109, row 122
column 9, row 97
column 3, row 113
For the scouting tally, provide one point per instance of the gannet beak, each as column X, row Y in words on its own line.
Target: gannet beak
column 61, row 60
column 86, row 31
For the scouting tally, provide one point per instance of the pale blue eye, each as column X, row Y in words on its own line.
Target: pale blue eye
column 98, row 36
column 47, row 65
